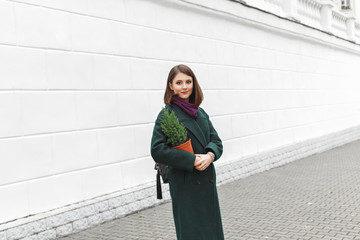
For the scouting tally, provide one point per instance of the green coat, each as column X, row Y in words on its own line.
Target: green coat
column 194, row 196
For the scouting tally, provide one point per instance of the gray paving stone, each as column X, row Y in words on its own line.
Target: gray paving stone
column 312, row 198
column 16, row 233
column 3, row 235
column 47, row 235
column 33, row 237
column 64, row 230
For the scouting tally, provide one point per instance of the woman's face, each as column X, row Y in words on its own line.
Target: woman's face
column 182, row 85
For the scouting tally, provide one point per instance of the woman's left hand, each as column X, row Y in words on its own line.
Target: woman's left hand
column 205, row 161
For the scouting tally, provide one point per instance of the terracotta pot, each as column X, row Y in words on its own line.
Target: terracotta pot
column 185, row 146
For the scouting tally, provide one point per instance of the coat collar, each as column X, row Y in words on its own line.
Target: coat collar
column 189, row 123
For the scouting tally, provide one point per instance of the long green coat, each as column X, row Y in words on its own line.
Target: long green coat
column 194, row 196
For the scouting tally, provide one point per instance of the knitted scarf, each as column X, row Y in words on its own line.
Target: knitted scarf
column 187, row 107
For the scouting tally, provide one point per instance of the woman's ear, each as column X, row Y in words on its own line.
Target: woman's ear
column 170, row 86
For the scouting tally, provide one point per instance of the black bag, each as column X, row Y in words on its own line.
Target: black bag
column 161, row 171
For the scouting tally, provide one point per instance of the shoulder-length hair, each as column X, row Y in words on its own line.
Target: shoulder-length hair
column 196, row 96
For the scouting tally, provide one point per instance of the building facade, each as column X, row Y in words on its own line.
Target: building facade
column 82, row 83
column 350, row 7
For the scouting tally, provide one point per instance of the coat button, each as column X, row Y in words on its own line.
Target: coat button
column 212, row 181
column 198, row 182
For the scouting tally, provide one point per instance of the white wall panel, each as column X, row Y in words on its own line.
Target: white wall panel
column 26, row 158
column 51, row 192
column 7, row 22
column 111, row 72
column 136, row 168
column 128, row 40
column 143, row 134
column 22, row 68
column 32, row 2
column 16, row 202
column 156, row 102
column 78, row 6
column 240, row 127
column 73, row 150
column 223, row 127
column 97, row 109
column 273, row 139
column 110, row 9
column 213, row 78
column 67, row 70
column 105, row 178
column 47, row 111
column 116, row 144
column 10, row 115
column 134, row 107
column 149, row 74
column 91, row 34
column 42, row 28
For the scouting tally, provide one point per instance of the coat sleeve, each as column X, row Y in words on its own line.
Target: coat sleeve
column 215, row 144
column 161, row 152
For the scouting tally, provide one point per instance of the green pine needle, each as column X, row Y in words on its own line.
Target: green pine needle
column 173, row 129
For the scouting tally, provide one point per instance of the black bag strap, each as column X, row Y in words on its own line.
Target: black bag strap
column 158, row 182
column 158, row 185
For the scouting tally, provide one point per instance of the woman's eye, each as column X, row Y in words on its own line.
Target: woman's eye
column 188, row 82
column 178, row 83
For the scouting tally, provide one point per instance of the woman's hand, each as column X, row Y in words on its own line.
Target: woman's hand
column 197, row 161
column 202, row 161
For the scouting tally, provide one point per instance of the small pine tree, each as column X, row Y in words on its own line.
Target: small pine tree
column 173, row 129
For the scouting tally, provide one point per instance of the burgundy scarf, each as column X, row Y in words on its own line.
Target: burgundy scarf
column 187, row 107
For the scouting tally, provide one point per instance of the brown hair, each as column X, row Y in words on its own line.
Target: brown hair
column 196, row 96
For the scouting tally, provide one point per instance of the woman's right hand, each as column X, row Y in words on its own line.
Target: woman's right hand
column 197, row 161
column 204, row 162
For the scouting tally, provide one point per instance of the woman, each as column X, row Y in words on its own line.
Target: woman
column 192, row 178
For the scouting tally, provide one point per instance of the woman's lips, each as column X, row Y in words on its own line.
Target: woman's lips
column 184, row 92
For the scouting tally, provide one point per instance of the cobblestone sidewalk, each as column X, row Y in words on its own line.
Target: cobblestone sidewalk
column 317, row 197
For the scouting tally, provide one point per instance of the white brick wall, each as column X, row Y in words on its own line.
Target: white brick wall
column 82, row 83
